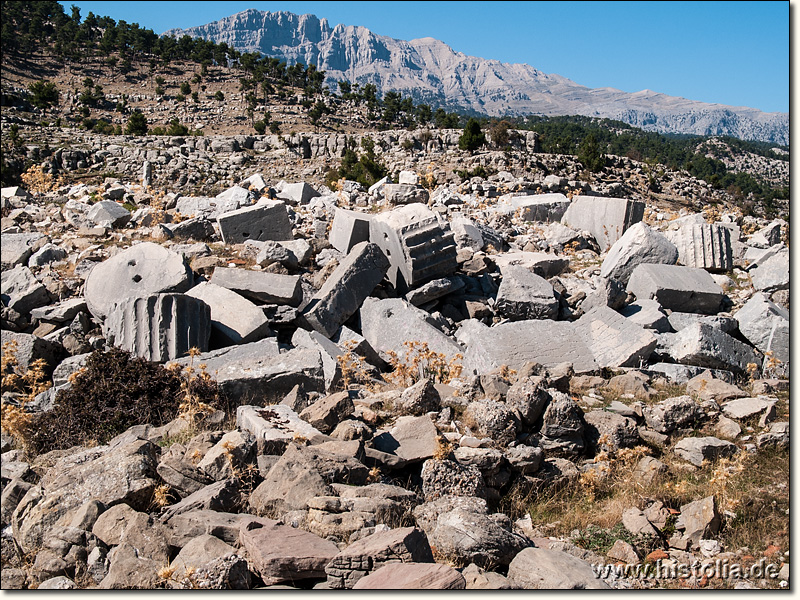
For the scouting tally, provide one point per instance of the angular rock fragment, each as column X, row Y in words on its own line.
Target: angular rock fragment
column 614, row 340
column 683, row 289
column 266, row 220
column 348, row 229
column 17, row 248
column 638, row 245
column 542, row 208
column 525, row 295
column 258, row 286
column 772, row 274
column 605, row 218
column 697, row 450
column 766, row 326
column 413, row 576
column 706, row 346
column 21, row 291
column 108, row 213
column 234, row 319
column 540, row 568
column 277, row 425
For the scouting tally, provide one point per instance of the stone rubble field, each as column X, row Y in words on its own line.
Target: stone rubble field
column 401, row 363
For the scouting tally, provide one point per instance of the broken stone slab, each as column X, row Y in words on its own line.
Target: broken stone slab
column 259, row 286
column 466, row 234
column 697, row 450
column 772, row 274
column 277, row 425
column 540, row 568
column 279, row 553
column 404, row 193
column 682, row 320
column 17, row 248
column 525, row 295
column 346, row 288
column 637, row 523
column 259, row 372
column 413, row 576
column 197, row 228
column 417, row 247
column 140, row 271
column 647, row 314
column 186, row 526
column 329, row 354
column 706, row 346
column 615, row 430
column 21, row 291
column 433, row 290
column 31, row 347
column 613, row 340
column 222, row 496
column 266, row 220
column 47, row 254
column 543, row 264
column 413, row 439
column 745, row 408
column 542, row 208
column 234, row 319
column 609, row 293
column 199, row 554
column 683, row 289
column 672, row 413
column 705, row 246
column 388, row 324
column 699, row 520
column 765, row 325
column 406, row 544
column 548, row 343
column 348, row 229
column 682, row 374
column 638, row 245
column 605, row 218
column 776, row 437
column 298, row 193
column 108, row 213
column 160, row 327
column 327, row 412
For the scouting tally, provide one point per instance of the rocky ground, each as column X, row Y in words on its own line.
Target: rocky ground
column 437, row 382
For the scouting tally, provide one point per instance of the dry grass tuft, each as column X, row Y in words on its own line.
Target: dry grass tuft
column 420, row 362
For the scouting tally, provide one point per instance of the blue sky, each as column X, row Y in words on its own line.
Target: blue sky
column 734, row 53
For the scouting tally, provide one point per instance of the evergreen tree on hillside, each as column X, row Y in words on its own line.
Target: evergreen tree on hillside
column 472, row 138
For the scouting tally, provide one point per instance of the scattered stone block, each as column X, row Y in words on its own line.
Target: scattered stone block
column 31, row 348
column 413, row 576
column 413, row 439
column 613, row 340
column 705, row 246
column 140, row 271
column 348, row 229
column 234, row 319
column 682, row 320
column 672, row 413
column 346, row 288
column 605, row 218
column 298, row 193
column 277, row 425
column 108, row 213
column 21, row 291
column 159, row 328
column 525, row 295
column 638, row 245
column 258, row 286
column 404, row 193
column 706, row 346
column 647, row 314
column 772, row 274
column 544, row 569
column 17, row 248
column 696, row 450
column 698, row 520
column 466, row 234
column 542, row 208
column 543, row 264
column 267, row 220
column 677, row 288
column 327, row 412
column 765, row 325
column 745, row 408
column 433, row 290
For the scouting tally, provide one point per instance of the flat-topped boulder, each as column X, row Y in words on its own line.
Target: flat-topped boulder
column 765, row 325
column 259, row 286
column 613, row 340
column 525, row 295
column 705, row 346
column 638, row 245
column 543, row 208
column 266, row 220
column 17, row 248
column 605, row 218
column 684, row 289
column 234, row 319
column 543, row 264
column 348, row 229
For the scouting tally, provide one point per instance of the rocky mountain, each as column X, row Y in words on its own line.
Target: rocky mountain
column 431, row 71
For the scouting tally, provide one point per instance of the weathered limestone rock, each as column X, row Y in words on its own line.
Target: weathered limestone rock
column 17, row 248
column 348, row 229
column 543, row 264
column 346, row 288
column 412, row 438
column 434, row 290
column 614, row 340
column 672, row 413
column 416, row 246
column 404, row 193
column 548, row 343
column 266, row 220
column 683, row 289
column 648, row 314
column 745, row 408
column 31, row 347
column 198, row 228
column 540, row 568
column 329, row 354
column 766, row 326
column 682, row 320
column 525, row 295
column 413, row 576
column 466, row 234
column 298, row 193
column 47, row 254
column 368, row 554
column 21, row 291
column 259, row 286
column 140, row 271
column 638, row 245
column 234, row 319
column 699, row 520
column 617, row 431
column 492, row 419
column 277, row 425
column 108, row 213
column 161, row 327
column 562, row 425
column 706, row 346
column 279, row 553
column 543, row 208
column 696, row 450
column 605, row 218
column 327, row 412
column 705, row 246
column 773, row 273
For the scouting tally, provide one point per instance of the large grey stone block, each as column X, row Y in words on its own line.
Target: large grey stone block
column 21, row 291
column 139, row 271
column 605, row 218
column 545, row 208
column 404, row 193
column 267, row 220
column 234, row 319
column 277, row 424
column 31, row 347
column 543, row 264
column 548, row 343
column 705, row 346
column 17, row 248
column 159, row 328
column 773, row 273
column 525, row 295
column 328, row 352
column 706, row 246
column 614, row 340
column 765, row 325
column 108, row 213
column 348, row 229
column 417, row 247
column 346, row 288
column 298, row 193
column 685, row 289
column 638, row 245
column 259, row 286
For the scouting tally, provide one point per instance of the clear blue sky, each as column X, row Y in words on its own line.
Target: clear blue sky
column 734, row 53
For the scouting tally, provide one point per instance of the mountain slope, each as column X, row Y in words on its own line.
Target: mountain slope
column 430, row 71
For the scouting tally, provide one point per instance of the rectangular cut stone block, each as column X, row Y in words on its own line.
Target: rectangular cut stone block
column 705, row 346
column 614, row 340
column 349, row 228
column 161, row 327
column 605, row 218
column 706, row 246
column 234, row 319
column 766, row 326
column 525, row 295
column 258, row 286
column 267, row 220
column 298, row 193
column 548, row 343
column 543, row 264
column 546, row 208
column 346, row 288
column 684, row 289
column 17, row 248
column 259, row 372
column 773, row 273
column 277, row 424
column 417, row 247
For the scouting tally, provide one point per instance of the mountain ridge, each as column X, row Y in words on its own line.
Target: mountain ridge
column 431, row 71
